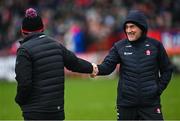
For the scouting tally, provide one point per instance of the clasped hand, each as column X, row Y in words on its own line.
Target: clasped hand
column 95, row 70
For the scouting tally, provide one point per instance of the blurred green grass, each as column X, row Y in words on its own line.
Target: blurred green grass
column 90, row 99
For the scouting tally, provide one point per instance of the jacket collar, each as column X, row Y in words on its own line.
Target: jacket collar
column 31, row 36
column 140, row 40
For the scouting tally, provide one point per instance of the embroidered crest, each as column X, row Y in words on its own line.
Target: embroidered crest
column 148, row 52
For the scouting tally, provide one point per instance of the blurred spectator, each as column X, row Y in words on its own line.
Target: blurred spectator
column 90, row 23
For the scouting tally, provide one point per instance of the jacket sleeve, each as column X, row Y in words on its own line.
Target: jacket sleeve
column 23, row 70
column 75, row 64
column 165, row 68
column 109, row 63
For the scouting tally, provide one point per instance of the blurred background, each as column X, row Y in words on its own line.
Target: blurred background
column 89, row 28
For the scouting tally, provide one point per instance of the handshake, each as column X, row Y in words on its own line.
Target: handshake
column 95, row 70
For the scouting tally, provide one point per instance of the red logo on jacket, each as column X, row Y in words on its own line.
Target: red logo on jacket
column 148, row 52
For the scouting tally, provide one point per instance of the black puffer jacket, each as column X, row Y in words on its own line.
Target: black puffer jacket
column 145, row 69
column 40, row 73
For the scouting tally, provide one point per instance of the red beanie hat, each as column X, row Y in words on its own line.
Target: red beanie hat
column 32, row 22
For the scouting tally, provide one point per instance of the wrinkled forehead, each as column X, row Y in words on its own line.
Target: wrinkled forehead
column 130, row 24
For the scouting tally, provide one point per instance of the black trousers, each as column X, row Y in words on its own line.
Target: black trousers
column 139, row 113
column 44, row 116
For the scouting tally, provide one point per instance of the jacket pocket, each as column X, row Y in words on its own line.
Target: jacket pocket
column 150, row 91
column 158, row 89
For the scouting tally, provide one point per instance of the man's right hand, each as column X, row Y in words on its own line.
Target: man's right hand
column 95, row 71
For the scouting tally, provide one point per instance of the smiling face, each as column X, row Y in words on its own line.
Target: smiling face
column 133, row 32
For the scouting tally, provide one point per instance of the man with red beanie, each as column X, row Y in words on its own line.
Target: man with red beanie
column 40, row 71
column 145, row 71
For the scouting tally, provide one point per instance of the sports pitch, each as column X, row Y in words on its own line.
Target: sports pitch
column 90, row 99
